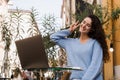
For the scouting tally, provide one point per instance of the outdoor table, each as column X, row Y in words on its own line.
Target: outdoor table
column 56, row 70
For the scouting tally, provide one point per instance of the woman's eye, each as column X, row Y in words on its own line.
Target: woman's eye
column 84, row 22
column 88, row 25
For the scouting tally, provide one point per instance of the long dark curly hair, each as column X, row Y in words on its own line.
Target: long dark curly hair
column 97, row 33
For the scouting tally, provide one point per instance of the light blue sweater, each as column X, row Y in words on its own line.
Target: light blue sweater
column 88, row 56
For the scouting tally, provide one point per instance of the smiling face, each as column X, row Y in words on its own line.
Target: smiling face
column 85, row 25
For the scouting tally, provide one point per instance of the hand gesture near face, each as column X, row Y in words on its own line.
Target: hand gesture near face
column 74, row 26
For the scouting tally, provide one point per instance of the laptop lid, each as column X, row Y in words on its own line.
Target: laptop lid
column 31, row 53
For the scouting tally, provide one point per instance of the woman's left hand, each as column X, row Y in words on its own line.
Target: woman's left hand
column 74, row 26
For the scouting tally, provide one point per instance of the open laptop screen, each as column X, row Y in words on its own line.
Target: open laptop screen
column 31, row 53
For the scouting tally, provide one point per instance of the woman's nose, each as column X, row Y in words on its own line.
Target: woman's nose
column 83, row 25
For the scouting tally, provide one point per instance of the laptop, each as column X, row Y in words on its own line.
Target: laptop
column 31, row 53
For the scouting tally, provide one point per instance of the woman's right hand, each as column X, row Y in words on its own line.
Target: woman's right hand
column 74, row 26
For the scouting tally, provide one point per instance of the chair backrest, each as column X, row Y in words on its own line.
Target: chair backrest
column 31, row 53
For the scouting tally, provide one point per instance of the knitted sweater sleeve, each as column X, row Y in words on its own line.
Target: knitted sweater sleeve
column 95, row 67
column 60, row 37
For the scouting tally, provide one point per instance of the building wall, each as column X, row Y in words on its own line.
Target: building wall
column 114, row 24
column 5, row 14
column 108, row 67
column 68, row 10
column 116, row 4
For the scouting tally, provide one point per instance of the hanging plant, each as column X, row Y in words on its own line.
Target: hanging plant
column 115, row 13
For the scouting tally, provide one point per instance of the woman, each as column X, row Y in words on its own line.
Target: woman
column 88, row 51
